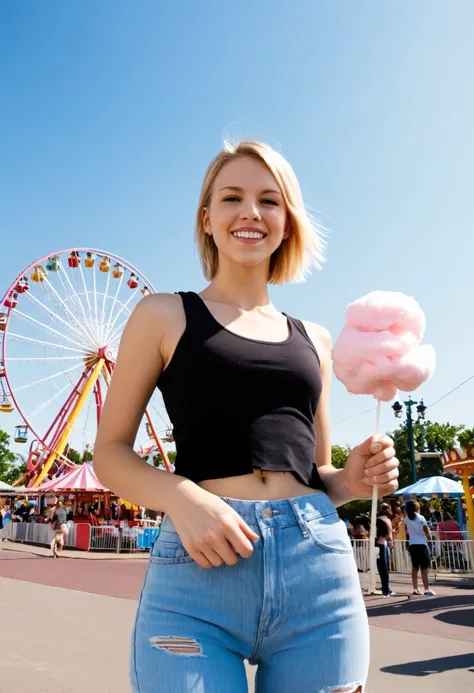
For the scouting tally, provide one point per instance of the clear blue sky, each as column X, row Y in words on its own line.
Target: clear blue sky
column 111, row 110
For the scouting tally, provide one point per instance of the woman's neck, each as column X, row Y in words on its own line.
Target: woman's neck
column 243, row 289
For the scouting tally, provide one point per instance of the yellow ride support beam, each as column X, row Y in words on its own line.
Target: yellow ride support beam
column 76, row 410
column 155, row 435
column 469, row 504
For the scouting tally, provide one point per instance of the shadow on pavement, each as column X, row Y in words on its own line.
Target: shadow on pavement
column 457, row 617
column 427, row 667
column 457, row 610
column 466, row 583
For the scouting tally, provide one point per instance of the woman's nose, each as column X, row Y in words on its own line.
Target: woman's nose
column 250, row 211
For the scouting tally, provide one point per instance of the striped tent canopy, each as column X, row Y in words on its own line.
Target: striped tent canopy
column 8, row 488
column 433, row 485
column 82, row 478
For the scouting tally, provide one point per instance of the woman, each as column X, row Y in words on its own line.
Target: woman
column 449, row 529
column 384, row 542
column 58, row 524
column 246, row 388
column 419, row 537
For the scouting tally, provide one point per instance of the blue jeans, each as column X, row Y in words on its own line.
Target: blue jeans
column 382, row 567
column 294, row 608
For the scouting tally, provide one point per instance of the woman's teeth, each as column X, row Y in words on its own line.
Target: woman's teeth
column 247, row 234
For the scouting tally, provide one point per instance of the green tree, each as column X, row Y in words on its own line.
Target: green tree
column 12, row 465
column 77, row 457
column 339, row 455
column 466, row 438
column 158, row 460
column 428, row 437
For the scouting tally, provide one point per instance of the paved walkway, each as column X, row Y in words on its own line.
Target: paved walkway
column 65, row 628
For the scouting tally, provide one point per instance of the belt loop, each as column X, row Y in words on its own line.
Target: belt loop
column 299, row 516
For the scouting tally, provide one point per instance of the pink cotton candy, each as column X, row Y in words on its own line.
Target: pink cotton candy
column 378, row 351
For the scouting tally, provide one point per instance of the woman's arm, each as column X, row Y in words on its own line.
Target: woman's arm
column 139, row 365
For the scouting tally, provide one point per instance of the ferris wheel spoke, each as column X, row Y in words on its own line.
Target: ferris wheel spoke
column 158, row 413
column 68, row 310
column 22, row 338
column 94, row 337
column 42, row 358
column 89, row 308
column 49, row 377
column 118, row 330
column 54, row 315
column 124, row 307
column 75, row 294
column 104, row 299
column 47, row 328
column 96, row 312
column 113, row 306
column 47, row 402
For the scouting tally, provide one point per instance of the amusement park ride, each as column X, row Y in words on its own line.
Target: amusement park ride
column 61, row 321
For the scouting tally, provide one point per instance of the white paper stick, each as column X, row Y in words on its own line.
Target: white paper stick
column 373, row 519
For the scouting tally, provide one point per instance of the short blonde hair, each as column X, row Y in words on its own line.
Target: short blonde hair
column 304, row 246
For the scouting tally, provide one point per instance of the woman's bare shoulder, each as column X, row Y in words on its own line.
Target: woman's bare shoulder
column 158, row 311
column 321, row 339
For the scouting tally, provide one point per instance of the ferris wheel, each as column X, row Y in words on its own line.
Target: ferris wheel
column 61, row 321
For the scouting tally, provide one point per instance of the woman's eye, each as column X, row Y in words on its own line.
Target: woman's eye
column 270, row 202
column 231, row 198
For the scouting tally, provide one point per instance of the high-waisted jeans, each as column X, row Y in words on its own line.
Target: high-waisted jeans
column 294, row 608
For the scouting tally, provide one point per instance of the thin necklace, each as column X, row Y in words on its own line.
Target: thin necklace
column 236, row 305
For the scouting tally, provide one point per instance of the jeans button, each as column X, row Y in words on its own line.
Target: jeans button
column 267, row 513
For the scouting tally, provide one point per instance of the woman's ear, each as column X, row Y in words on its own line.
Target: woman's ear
column 206, row 222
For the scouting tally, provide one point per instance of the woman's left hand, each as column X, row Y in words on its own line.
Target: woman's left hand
column 371, row 462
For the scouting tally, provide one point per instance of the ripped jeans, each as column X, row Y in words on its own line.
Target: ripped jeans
column 294, row 608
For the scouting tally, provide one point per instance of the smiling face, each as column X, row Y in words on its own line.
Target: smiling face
column 247, row 216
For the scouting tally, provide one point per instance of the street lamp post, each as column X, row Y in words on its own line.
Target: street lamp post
column 421, row 409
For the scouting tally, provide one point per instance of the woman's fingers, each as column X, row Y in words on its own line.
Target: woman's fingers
column 249, row 533
column 383, row 456
column 214, row 558
column 226, row 553
column 388, row 489
column 201, row 559
column 383, row 475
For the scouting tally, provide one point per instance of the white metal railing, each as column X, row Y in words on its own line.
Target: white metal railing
column 110, row 538
column 105, row 538
column 446, row 556
column 102, row 538
column 36, row 533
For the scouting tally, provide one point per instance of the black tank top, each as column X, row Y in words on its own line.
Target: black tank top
column 237, row 403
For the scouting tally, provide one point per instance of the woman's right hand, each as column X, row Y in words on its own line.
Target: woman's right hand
column 210, row 530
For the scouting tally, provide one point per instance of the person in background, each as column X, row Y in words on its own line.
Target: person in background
column 449, row 529
column 396, row 519
column 419, row 537
column 401, row 530
column 427, row 512
column 114, row 511
column 58, row 525
column 23, row 512
column 384, row 542
column 359, row 530
column 124, row 513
